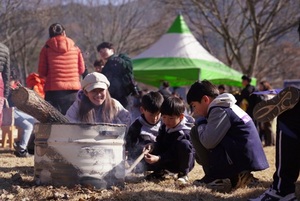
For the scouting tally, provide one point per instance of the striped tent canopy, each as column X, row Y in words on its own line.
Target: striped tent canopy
column 177, row 57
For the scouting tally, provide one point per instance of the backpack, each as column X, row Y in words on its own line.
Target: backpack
column 128, row 79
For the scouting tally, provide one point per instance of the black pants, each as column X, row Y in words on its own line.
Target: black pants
column 287, row 151
column 61, row 100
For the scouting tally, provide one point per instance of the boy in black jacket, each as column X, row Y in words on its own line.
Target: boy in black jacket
column 172, row 150
column 145, row 128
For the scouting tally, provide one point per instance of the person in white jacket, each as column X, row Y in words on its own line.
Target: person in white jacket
column 95, row 105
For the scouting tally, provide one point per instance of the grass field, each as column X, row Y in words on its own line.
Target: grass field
column 17, row 183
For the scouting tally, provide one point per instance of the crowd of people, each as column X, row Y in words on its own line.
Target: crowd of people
column 224, row 133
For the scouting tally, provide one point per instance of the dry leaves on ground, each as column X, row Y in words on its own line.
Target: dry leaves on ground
column 17, row 183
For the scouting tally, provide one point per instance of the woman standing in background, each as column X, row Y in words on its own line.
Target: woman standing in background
column 61, row 64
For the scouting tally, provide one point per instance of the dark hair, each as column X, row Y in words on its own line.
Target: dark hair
column 105, row 45
column 266, row 85
column 172, row 105
column 246, row 77
column 56, row 29
column 200, row 89
column 221, row 86
column 165, row 84
column 152, row 101
column 99, row 63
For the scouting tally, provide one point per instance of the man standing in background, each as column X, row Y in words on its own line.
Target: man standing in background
column 245, row 100
column 118, row 70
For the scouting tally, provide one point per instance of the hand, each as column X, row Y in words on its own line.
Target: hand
column 149, row 158
column 149, row 147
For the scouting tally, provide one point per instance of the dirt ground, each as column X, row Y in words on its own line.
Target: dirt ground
column 17, row 183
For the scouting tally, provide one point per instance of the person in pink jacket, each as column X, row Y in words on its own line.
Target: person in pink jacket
column 61, row 64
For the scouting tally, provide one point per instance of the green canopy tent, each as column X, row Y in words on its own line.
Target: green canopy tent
column 180, row 59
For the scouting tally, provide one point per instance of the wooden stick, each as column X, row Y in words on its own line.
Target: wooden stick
column 127, row 171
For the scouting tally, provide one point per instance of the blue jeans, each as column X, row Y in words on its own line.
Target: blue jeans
column 26, row 123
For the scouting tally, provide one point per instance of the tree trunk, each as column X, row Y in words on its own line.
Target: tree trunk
column 31, row 103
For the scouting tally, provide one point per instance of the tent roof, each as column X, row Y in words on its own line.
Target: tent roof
column 180, row 59
column 179, row 26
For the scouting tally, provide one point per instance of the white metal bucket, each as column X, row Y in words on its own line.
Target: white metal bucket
column 70, row 154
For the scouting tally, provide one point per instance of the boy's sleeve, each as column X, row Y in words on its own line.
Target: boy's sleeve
column 217, row 126
column 132, row 136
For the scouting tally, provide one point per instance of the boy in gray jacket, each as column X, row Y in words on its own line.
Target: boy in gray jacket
column 225, row 139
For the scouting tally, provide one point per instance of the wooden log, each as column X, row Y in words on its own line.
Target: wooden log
column 31, row 103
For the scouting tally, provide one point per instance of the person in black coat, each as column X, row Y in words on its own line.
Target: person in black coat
column 118, row 70
column 245, row 100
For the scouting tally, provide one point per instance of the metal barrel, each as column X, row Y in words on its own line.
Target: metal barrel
column 86, row 154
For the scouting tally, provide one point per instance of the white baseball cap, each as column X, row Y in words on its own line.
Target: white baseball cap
column 93, row 81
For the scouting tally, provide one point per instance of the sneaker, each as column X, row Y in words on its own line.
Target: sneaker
column 242, row 179
column 16, row 146
column 171, row 175
column 156, row 175
column 22, row 154
column 204, row 180
column 219, row 185
column 183, row 180
column 271, row 195
column 30, row 151
column 267, row 110
column 19, row 152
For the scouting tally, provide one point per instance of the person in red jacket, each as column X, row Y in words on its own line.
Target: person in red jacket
column 36, row 83
column 61, row 64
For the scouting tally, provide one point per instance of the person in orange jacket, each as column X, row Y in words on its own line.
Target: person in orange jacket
column 36, row 83
column 61, row 64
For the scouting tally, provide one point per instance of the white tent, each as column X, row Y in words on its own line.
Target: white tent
column 180, row 59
